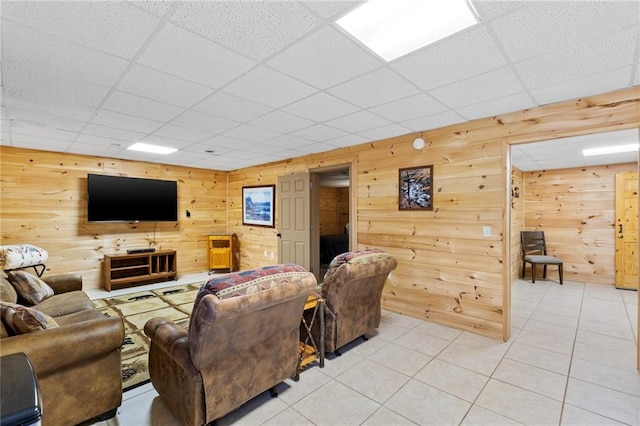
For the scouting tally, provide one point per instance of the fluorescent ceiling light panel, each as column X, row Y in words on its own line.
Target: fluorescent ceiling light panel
column 155, row 149
column 617, row 149
column 393, row 28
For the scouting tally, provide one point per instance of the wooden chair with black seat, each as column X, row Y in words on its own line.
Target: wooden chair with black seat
column 534, row 251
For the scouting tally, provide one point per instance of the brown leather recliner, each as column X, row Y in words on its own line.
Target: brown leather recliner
column 352, row 290
column 242, row 340
column 77, row 363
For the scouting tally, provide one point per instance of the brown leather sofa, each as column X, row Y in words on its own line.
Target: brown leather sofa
column 77, row 363
column 352, row 290
column 242, row 340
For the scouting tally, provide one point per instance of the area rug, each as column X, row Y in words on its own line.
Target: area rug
column 173, row 303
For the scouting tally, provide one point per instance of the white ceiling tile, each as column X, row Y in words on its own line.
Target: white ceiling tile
column 113, row 144
column 152, row 84
column 114, row 27
column 559, row 24
column 122, row 121
column 347, row 140
column 20, row 127
column 205, row 122
column 126, row 103
column 269, row 87
column 94, row 150
column 433, row 121
column 384, row 132
column 159, row 8
column 127, row 154
column 314, row 59
column 358, row 122
column 315, row 148
column 490, row 9
column 54, row 59
column 47, row 104
column 581, row 60
column 47, row 83
column 289, row 141
column 319, row 133
column 281, row 121
column 332, row 8
column 515, row 102
column 38, row 142
column 191, row 57
column 250, row 133
column 586, row 86
column 407, row 108
column 256, row 29
column 45, row 120
column 456, row 58
column 112, row 133
column 320, row 107
column 483, row 88
column 225, row 143
column 181, row 133
column 375, row 88
column 231, row 107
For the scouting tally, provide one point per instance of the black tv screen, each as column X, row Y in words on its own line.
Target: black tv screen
column 126, row 199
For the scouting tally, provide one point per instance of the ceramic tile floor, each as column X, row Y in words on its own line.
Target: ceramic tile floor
column 570, row 360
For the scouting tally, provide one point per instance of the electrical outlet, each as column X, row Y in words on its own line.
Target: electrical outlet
column 486, row 231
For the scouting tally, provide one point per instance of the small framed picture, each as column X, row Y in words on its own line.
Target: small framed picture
column 416, row 188
column 258, row 205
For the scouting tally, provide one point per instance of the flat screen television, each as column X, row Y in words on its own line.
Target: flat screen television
column 127, row 199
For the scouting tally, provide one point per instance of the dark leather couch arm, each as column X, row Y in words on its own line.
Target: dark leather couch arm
column 172, row 340
column 64, row 283
column 65, row 346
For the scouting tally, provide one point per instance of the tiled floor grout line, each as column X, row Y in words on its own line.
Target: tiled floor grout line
column 573, row 348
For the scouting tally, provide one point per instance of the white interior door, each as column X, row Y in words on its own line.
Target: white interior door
column 294, row 230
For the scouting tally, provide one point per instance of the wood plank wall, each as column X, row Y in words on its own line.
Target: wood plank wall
column 334, row 210
column 517, row 222
column 448, row 272
column 576, row 208
column 44, row 203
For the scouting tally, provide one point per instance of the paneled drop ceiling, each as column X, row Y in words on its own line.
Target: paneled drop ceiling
column 238, row 83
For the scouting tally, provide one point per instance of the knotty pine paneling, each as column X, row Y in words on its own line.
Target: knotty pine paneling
column 517, row 222
column 448, row 273
column 576, row 209
column 334, row 210
column 44, row 203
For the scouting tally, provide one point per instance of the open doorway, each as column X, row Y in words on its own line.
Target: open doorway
column 330, row 215
column 555, row 188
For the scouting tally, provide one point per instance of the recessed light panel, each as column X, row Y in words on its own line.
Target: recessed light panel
column 616, row 149
column 393, row 28
column 154, row 149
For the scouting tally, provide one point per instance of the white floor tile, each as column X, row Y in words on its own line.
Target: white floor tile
column 555, row 332
column 399, row 358
column 531, row 378
column 427, row 405
column 458, row 381
column 336, row 404
column 373, row 380
column 606, row 402
column 519, row 404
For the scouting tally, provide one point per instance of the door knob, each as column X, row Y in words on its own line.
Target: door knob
column 620, row 231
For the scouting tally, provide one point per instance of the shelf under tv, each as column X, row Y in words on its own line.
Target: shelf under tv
column 128, row 270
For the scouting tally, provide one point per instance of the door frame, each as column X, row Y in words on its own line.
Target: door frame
column 315, row 215
column 506, row 244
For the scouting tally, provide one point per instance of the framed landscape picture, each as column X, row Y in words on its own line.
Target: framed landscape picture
column 416, row 188
column 258, row 205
